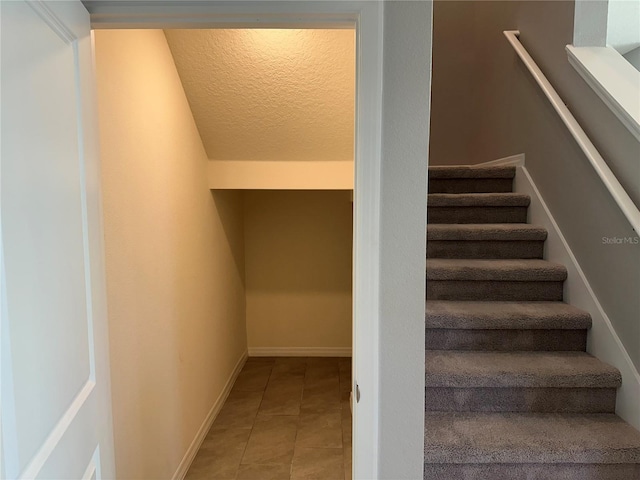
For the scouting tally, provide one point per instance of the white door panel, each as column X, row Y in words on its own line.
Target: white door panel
column 55, row 390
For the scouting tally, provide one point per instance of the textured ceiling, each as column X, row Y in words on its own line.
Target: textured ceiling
column 268, row 94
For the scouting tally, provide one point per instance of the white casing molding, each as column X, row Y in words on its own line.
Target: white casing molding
column 367, row 18
column 191, row 452
column 300, row 351
column 603, row 341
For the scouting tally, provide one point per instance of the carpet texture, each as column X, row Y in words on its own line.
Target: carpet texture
column 510, row 391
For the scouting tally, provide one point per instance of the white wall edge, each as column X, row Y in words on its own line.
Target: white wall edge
column 614, row 80
column 300, row 352
column 191, row 452
column 603, row 341
column 590, row 23
column 512, row 160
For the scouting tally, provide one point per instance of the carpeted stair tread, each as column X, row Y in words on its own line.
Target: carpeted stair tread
column 464, row 171
column 485, row 232
column 510, row 391
column 514, row 270
column 529, row 438
column 505, row 315
column 478, row 200
column 476, row 369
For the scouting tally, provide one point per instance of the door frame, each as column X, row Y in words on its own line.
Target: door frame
column 367, row 19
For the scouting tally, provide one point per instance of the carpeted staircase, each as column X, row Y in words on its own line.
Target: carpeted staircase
column 510, row 391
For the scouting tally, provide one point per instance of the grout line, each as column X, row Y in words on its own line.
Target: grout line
column 295, row 441
column 254, row 420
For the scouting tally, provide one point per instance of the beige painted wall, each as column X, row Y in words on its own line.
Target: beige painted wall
column 298, row 268
column 174, row 258
column 471, row 82
column 270, row 94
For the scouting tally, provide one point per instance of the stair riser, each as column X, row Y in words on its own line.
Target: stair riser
column 470, row 185
column 492, row 291
column 485, row 249
column 524, row 471
column 538, row 400
column 476, row 214
column 506, row 340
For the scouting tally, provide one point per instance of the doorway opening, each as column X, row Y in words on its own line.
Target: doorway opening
column 227, row 166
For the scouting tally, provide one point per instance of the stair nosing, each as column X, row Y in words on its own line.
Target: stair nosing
column 485, row 232
column 497, row 270
column 538, row 369
column 483, row 200
column 529, row 438
column 504, row 315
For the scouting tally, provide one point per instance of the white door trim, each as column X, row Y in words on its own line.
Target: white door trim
column 367, row 17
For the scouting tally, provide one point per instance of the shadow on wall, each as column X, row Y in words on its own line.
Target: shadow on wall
column 229, row 207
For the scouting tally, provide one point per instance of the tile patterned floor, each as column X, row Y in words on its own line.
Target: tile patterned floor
column 285, row 419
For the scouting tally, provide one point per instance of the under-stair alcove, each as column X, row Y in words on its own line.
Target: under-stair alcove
column 228, row 172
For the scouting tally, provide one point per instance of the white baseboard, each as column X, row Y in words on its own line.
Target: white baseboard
column 513, row 160
column 603, row 342
column 208, row 421
column 299, row 351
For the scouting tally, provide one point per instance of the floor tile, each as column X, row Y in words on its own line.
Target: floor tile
column 323, row 362
column 346, row 408
column 345, row 381
column 226, row 439
column 345, row 395
column 282, row 396
column 320, row 402
column 239, row 410
column 264, row 472
column 323, row 367
column 347, row 430
column 322, row 383
column 345, row 373
column 344, row 364
column 318, row 464
column 220, row 454
column 322, row 430
column 347, row 456
column 289, row 366
column 254, row 376
column 272, row 440
column 262, row 360
column 321, row 372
